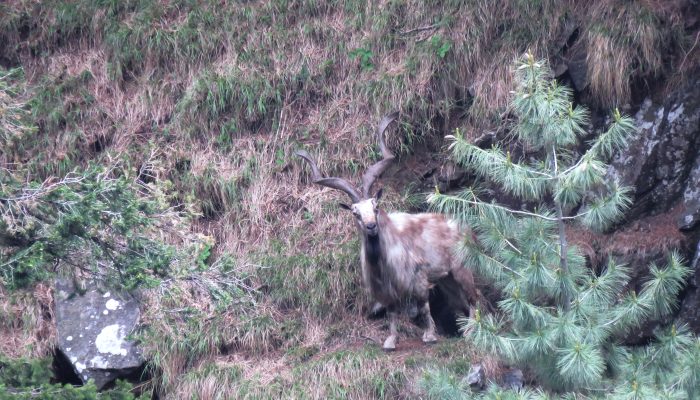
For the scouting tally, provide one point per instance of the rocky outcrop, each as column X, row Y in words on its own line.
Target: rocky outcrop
column 690, row 307
column 691, row 198
column 507, row 378
column 93, row 331
column 658, row 161
column 662, row 163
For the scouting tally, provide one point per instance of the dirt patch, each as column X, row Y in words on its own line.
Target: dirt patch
column 655, row 234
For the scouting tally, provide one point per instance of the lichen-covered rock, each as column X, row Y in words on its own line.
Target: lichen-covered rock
column 691, row 198
column 658, row 160
column 513, row 379
column 92, row 332
column 509, row 378
column 476, row 378
column 690, row 312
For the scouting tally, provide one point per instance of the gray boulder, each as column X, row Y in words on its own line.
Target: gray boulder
column 659, row 159
column 690, row 312
column 476, row 378
column 513, row 379
column 691, row 198
column 93, row 331
column 510, row 378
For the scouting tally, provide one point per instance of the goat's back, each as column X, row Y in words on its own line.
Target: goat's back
column 431, row 237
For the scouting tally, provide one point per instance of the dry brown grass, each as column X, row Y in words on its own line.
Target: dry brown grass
column 139, row 115
column 628, row 42
column 608, row 68
column 344, row 356
column 27, row 328
column 131, row 112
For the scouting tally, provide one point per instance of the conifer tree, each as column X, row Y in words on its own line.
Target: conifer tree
column 557, row 318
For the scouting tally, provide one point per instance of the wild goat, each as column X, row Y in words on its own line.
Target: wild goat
column 403, row 254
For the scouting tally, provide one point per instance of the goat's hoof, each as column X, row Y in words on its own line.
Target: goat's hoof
column 429, row 338
column 389, row 344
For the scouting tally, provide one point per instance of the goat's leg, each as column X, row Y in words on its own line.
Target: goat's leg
column 467, row 295
column 429, row 334
column 474, row 297
column 377, row 310
column 390, row 342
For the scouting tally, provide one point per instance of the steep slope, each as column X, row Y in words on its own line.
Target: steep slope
column 205, row 102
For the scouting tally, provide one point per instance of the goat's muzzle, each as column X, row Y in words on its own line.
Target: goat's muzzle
column 372, row 229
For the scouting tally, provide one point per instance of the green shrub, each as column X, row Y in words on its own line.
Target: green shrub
column 33, row 379
column 94, row 222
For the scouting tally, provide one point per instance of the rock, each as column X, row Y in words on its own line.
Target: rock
column 93, row 330
column 450, row 173
column 691, row 198
column 476, row 378
column 658, row 160
column 577, row 66
column 662, row 162
column 690, row 312
column 513, row 379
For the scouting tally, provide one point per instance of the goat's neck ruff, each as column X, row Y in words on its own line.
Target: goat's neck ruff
column 373, row 249
column 387, row 229
column 385, row 238
column 380, row 261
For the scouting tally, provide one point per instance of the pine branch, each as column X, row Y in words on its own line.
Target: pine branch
column 602, row 291
column 615, row 137
column 492, row 264
column 514, row 177
column 438, row 202
column 662, row 289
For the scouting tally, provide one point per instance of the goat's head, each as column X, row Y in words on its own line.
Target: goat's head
column 365, row 213
column 364, row 206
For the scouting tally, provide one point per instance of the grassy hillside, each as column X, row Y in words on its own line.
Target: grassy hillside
column 203, row 104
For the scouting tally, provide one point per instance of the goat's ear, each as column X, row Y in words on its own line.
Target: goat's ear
column 379, row 194
column 345, row 206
